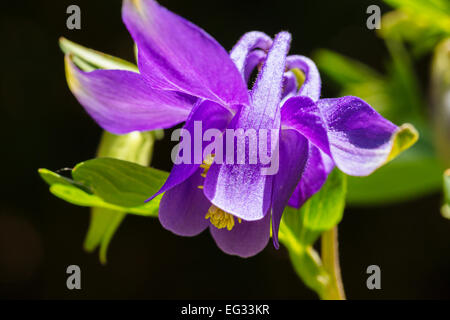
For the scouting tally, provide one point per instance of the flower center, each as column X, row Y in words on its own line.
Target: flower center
column 220, row 219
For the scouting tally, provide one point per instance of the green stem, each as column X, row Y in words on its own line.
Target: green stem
column 330, row 258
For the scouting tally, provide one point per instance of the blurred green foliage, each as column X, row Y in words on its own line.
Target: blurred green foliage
column 446, row 206
column 396, row 94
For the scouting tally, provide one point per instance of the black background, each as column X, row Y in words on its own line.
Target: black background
column 44, row 126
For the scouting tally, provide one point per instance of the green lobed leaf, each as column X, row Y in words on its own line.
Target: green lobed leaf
column 325, row 209
column 135, row 147
column 53, row 178
column 321, row 212
column 119, row 182
column 76, row 193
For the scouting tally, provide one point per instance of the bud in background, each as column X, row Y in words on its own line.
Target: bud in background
column 440, row 99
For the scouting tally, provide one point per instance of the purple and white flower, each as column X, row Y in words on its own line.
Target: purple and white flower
column 186, row 76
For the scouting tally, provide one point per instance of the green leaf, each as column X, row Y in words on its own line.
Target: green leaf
column 53, row 178
column 118, row 182
column 88, row 59
column 136, row 147
column 130, row 192
column 300, row 228
column 446, row 206
column 323, row 211
column 77, row 195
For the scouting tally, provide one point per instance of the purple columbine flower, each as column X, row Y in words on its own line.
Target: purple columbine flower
column 185, row 75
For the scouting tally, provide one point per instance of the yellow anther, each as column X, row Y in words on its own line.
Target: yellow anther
column 220, row 219
column 206, row 164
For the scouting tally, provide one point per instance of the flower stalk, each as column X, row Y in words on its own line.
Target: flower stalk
column 330, row 258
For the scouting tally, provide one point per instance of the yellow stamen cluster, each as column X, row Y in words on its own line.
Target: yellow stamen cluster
column 220, row 219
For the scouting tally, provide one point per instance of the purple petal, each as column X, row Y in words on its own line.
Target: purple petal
column 211, row 116
column 312, row 85
column 303, row 115
column 122, row 101
column 293, row 157
column 360, row 138
column 289, row 86
column 246, row 239
column 268, row 87
column 249, row 42
column 254, row 58
column 183, row 208
column 175, row 54
column 225, row 182
column 318, row 166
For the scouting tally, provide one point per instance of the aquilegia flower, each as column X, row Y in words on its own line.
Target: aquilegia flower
column 185, row 75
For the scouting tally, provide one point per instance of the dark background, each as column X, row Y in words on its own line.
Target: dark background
column 44, row 126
